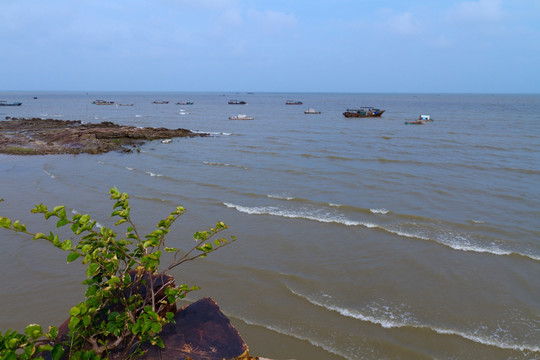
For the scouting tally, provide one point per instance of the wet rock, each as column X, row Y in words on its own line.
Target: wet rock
column 35, row 136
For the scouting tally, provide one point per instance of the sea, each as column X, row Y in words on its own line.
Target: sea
column 357, row 238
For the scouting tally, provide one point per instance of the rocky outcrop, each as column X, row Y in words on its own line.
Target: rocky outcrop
column 200, row 332
column 36, row 136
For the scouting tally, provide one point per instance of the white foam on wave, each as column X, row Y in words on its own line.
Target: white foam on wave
column 212, row 133
column 294, row 333
column 129, row 168
column 454, row 241
column 138, row 116
column 379, row 211
column 388, row 318
column 315, row 215
column 280, row 197
column 224, row 164
column 152, row 174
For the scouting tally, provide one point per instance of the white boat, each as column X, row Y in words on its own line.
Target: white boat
column 241, row 117
column 166, row 141
column 311, row 111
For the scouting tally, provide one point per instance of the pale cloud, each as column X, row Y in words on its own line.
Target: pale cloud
column 481, row 10
column 404, row 24
column 273, row 21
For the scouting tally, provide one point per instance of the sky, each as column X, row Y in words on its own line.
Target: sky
column 358, row 46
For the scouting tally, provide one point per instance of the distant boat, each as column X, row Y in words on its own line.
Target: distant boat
column 311, row 111
column 184, row 103
column 4, row 103
column 166, row 141
column 415, row 122
column 422, row 119
column 102, row 102
column 125, row 104
column 160, row 102
column 240, row 117
column 237, row 102
column 363, row 112
column 293, row 102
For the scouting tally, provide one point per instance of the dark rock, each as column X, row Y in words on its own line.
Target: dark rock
column 37, row 136
column 201, row 332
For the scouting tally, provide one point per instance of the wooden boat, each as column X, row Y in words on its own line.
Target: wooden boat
column 102, row 102
column 415, row 122
column 293, row 102
column 4, row 103
column 184, row 103
column 422, row 119
column 160, row 102
column 311, row 111
column 240, row 117
column 363, row 112
column 237, row 102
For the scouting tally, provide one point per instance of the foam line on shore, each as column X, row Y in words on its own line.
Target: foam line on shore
column 404, row 320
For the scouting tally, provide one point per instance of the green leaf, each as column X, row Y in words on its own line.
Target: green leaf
column 74, row 311
column 66, row 245
column 9, row 355
column 73, row 322
column 92, row 269
column 61, row 223
column 5, row 222
column 34, row 331
column 57, row 352
column 72, row 256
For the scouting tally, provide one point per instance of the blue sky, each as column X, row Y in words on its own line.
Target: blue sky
column 446, row 46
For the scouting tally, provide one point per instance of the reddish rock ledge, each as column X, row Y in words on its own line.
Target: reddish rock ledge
column 36, row 136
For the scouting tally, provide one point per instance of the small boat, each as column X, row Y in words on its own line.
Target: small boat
column 237, row 102
column 415, row 122
column 160, row 102
column 184, row 103
column 166, row 141
column 241, row 117
column 311, row 111
column 293, row 102
column 363, row 112
column 4, row 103
column 422, row 119
column 125, row 104
column 102, row 102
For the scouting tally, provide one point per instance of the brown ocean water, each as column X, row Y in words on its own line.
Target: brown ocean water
column 357, row 238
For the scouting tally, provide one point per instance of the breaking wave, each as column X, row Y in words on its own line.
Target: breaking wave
column 449, row 239
column 396, row 318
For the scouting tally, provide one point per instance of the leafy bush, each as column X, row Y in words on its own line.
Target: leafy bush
column 128, row 299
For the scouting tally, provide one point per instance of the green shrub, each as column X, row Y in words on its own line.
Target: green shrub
column 123, row 309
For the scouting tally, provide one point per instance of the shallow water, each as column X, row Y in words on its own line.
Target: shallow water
column 358, row 238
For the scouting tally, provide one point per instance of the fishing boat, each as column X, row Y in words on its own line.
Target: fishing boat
column 102, row 102
column 160, row 102
column 311, row 111
column 237, row 102
column 241, row 117
column 184, row 103
column 293, row 102
column 422, row 119
column 415, row 122
column 4, row 103
column 363, row 112
column 125, row 104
